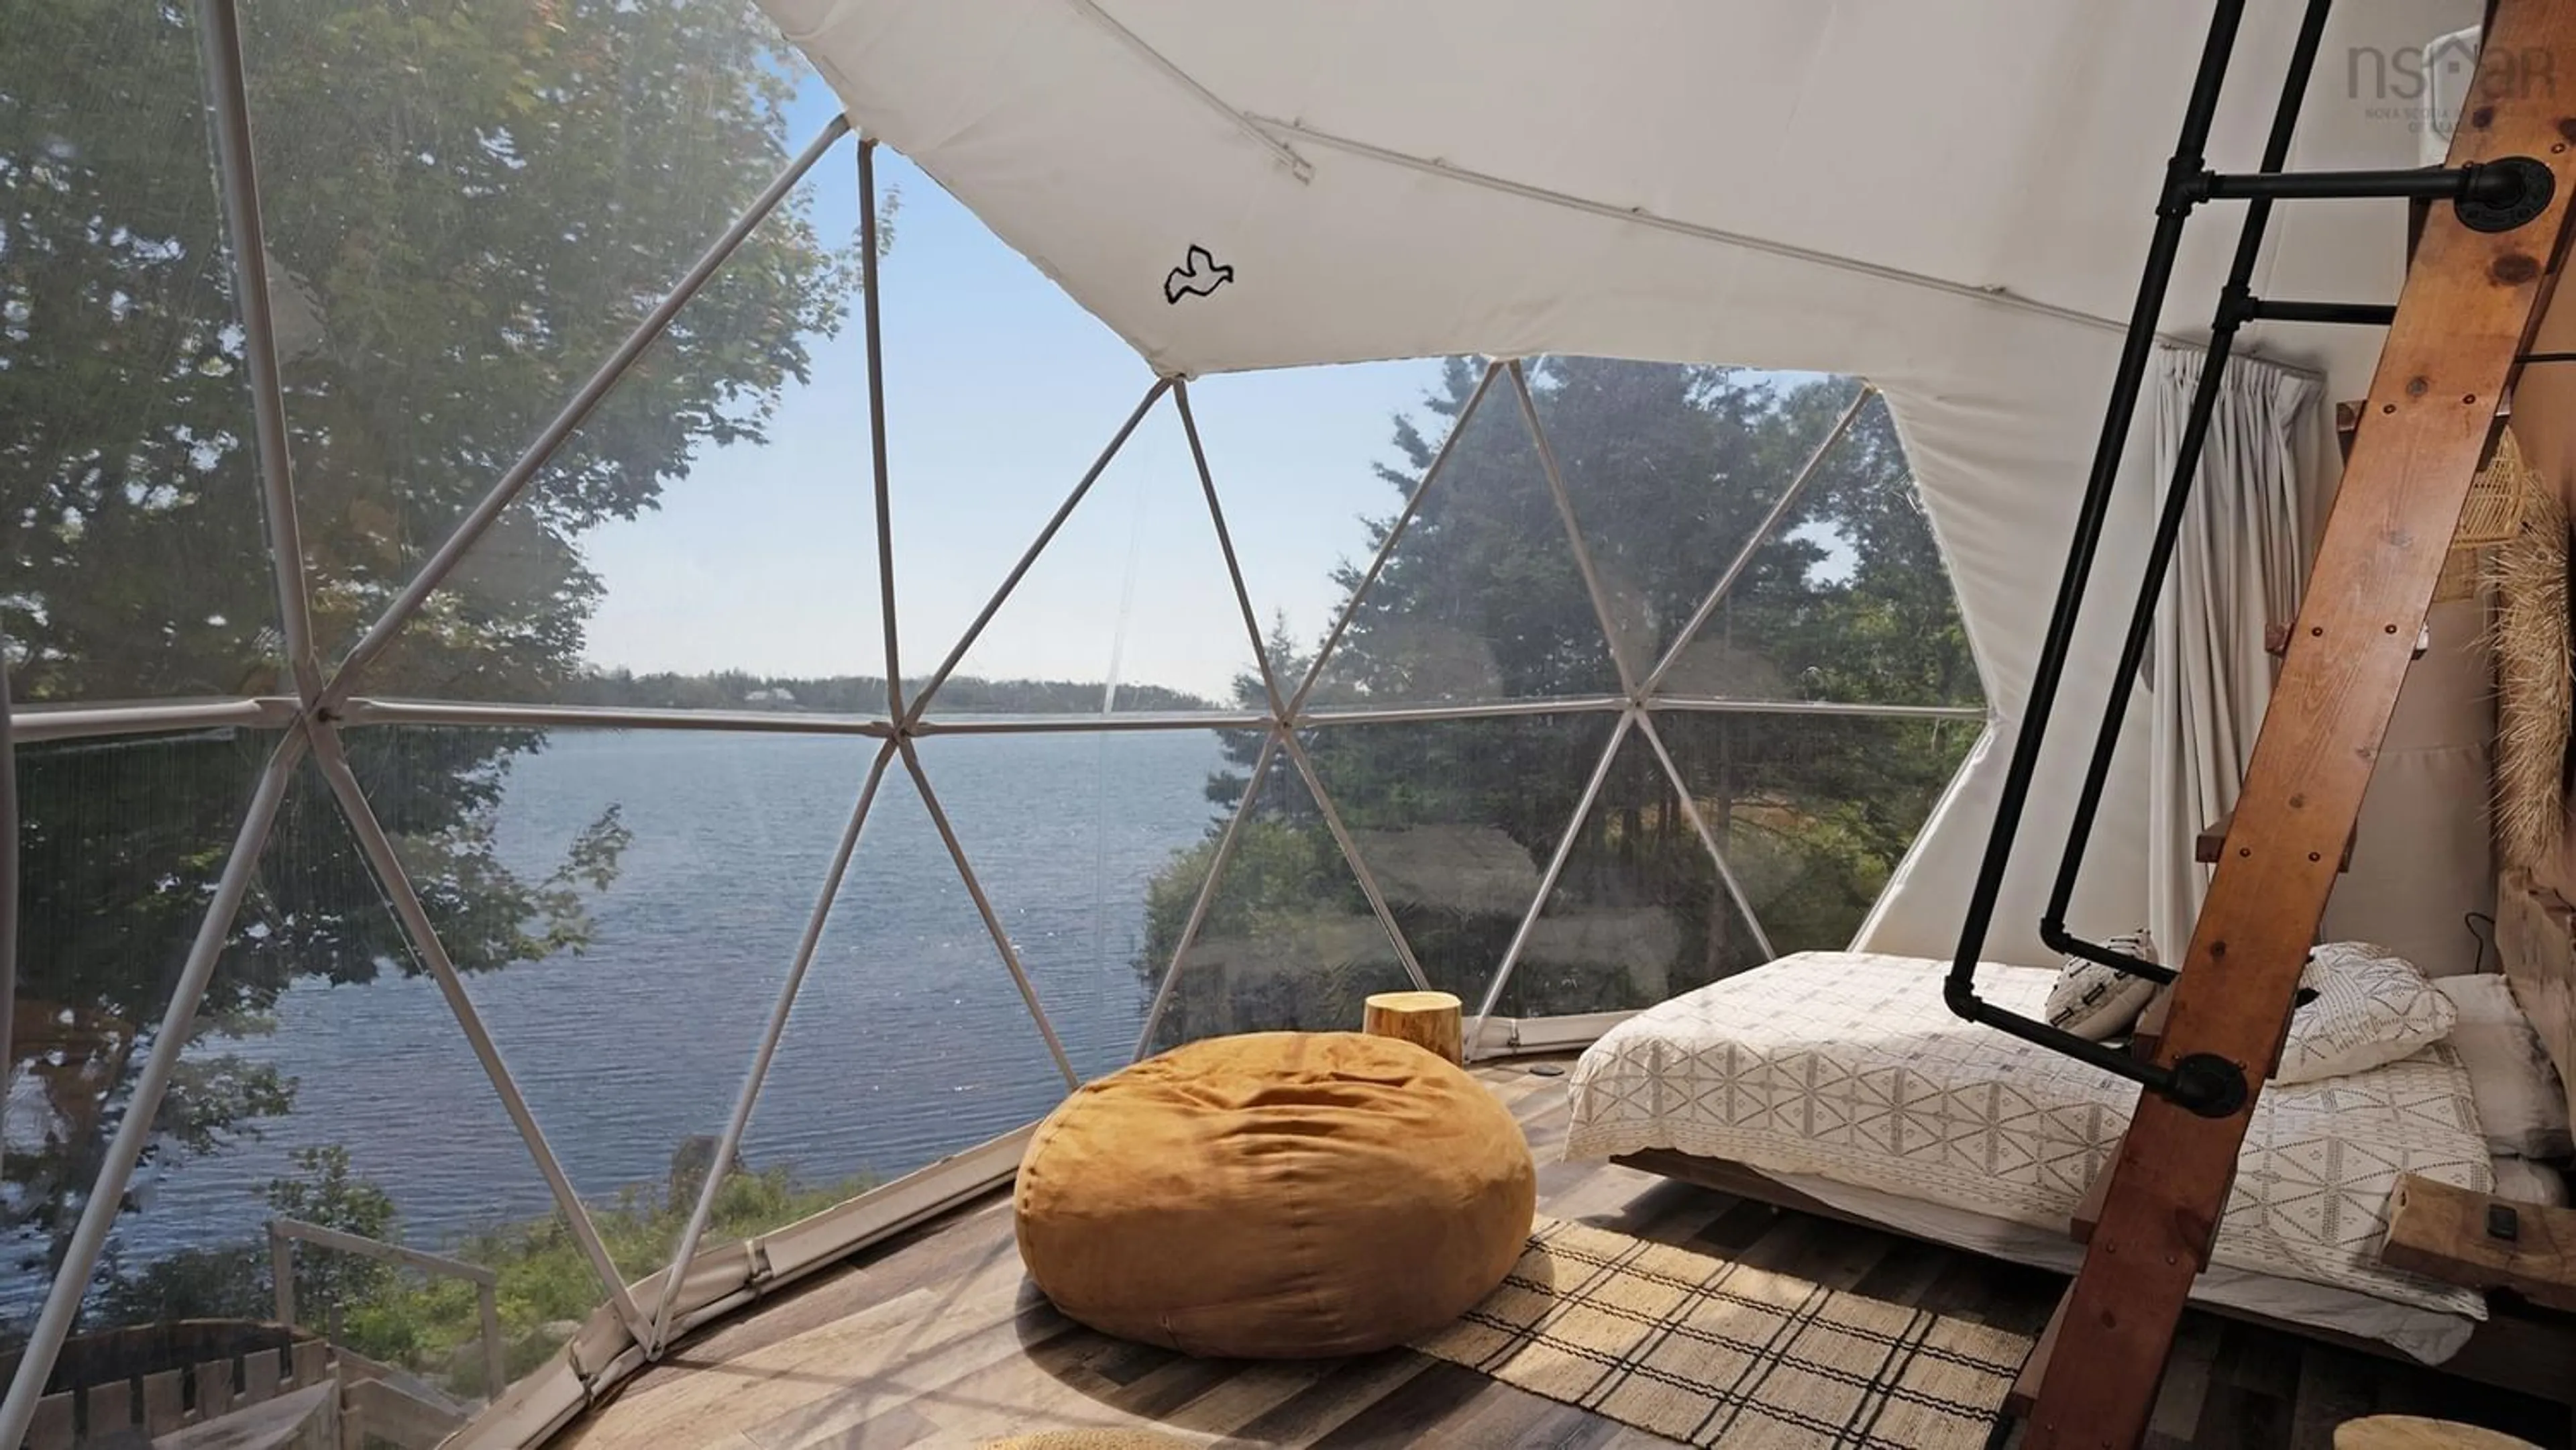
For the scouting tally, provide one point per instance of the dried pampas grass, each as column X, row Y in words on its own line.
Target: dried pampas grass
column 2529, row 632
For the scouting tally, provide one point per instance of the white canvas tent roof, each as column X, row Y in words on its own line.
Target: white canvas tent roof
column 1951, row 197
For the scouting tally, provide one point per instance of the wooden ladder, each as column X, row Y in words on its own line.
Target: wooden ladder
column 2470, row 304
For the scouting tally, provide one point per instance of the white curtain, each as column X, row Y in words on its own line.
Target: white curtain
column 2238, row 565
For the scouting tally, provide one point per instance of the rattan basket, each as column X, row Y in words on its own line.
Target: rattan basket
column 2489, row 517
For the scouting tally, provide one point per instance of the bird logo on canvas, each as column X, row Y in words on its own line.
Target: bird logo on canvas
column 1198, row 276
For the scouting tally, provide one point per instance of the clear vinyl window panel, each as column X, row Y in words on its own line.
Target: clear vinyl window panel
column 1673, row 471
column 121, row 840
column 321, row 1082
column 467, row 208
column 129, row 497
column 1284, row 937
column 1457, row 821
column 1844, row 600
column 1080, row 839
column 1813, row 813
column 1481, row 597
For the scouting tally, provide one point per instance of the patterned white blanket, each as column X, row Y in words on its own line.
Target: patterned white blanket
column 1847, row 1065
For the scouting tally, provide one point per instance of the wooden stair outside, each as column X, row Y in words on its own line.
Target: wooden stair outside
column 120, row 1401
column 392, row 1411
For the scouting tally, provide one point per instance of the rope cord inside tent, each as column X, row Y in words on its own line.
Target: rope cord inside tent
column 2484, row 940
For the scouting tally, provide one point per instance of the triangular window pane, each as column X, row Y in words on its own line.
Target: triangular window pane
column 1001, row 392
column 1672, row 470
column 1846, row 601
column 697, row 542
column 1458, row 821
column 1481, row 599
column 1296, row 454
column 139, row 565
column 1288, row 942
column 626, row 906
column 325, row 1081
column 1814, row 812
column 1641, row 912
column 394, row 1133
column 1069, row 833
column 465, row 219
column 122, row 842
column 1131, row 594
column 909, row 1041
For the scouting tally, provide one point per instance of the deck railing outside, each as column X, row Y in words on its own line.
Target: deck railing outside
column 285, row 1233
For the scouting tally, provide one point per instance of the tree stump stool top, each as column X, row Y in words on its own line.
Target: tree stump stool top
column 1429, row 1020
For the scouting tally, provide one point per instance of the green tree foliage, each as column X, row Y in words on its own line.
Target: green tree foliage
column 329, row 1195
column 467, row 204
column 1670, row 471
column 433, row 1325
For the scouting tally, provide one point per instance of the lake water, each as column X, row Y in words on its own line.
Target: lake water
column 908, row 1041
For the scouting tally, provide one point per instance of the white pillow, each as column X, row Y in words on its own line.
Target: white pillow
column 2522, row 1181
column 2521, row 1107
column 2094, row 1002
column 2371, row 1007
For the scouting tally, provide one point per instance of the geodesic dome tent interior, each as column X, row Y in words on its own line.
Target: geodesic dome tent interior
column 637, row 632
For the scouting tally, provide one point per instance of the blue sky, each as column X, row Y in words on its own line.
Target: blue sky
column 999, row 392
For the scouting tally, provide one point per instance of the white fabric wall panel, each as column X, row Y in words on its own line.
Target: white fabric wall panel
column 1950, row 197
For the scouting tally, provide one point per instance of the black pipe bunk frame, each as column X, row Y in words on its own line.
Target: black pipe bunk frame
column 2494, row 197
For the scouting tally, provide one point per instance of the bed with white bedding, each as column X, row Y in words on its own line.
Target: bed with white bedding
column 1845, row 1069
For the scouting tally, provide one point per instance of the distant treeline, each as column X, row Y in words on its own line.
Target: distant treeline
column 855, row 694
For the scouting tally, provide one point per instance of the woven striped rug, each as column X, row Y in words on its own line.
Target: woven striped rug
column 1697, row 1349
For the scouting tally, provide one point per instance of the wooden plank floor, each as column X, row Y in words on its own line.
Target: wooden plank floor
column 936, row 1338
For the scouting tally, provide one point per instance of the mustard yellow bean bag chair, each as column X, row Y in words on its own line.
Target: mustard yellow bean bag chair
column 1281, row 1195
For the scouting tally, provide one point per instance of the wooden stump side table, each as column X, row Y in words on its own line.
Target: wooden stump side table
column 1429, row 1020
